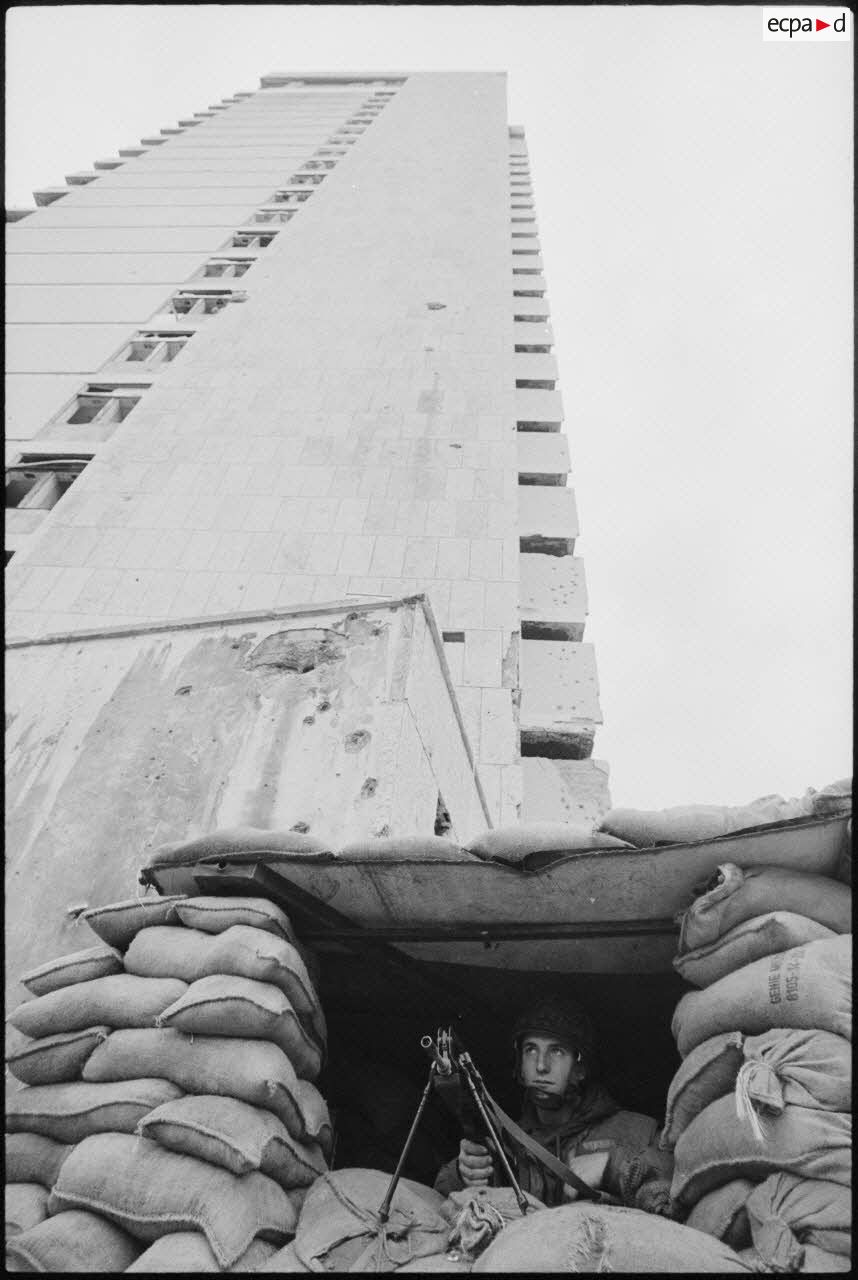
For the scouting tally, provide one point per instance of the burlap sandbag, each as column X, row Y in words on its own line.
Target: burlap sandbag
column 241, row 950
column 119, row 1000
column 73, row 1241
column 251, row 1070
column 72, row 1112
column 236, row 1136
column 186, row 1252
column 228, row 1006
column 81, row 966
column 437, row 1264
column 31, row 1157
column 240, row 844
column 687, row 823
column 53, row 1059
column 768, row 1072
column 285, row 1262
column 787, row 1212
column 215, row 915
column 752, row 939
column 754, row 891
column 339, row 1229
column 516, row 843
column 588, row 1237
column 150, row 1192
column 722, row 1213
column 808, row 986
column 118, row 922
column 26, row 1206
column 820, row 1262
column 709, row 1071
column 719, row 1146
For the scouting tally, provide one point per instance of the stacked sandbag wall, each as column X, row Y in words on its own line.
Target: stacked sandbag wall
column 759, row 1113
column 162, row 1114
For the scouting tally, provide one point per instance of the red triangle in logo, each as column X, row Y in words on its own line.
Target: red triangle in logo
column 820, row 24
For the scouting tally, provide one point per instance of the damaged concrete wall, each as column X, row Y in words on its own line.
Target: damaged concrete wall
column 337, row 723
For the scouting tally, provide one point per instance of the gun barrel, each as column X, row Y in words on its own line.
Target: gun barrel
column 442, row 1064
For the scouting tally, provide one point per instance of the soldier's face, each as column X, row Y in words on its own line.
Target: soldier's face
column 548, row 1067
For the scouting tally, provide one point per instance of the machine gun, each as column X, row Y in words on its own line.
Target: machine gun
column 453, row 1074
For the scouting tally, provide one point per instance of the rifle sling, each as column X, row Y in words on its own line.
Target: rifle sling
column 536, row 1149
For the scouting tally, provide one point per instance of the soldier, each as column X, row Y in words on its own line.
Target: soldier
column 568, row 1112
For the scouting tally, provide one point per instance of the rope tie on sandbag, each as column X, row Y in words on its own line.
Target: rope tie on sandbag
column 745, row 1108
column 476, row 1226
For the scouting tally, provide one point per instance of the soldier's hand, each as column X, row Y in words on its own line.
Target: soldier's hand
column 475, row 1164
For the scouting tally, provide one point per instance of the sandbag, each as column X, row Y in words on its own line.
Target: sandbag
column 215, row 914
column 241, row 951
column 54, row 1059
column 760, row 936
column 834, row 799
column 151, row 1192
column 253, row 1071
column 239, row 844
column 437, row 1263
column 780, row 1067
column 186, row 1252
column 73, row 1241
column 709, row 1072
column 26, row 1206
column 80, row 966
column 339, row 1228
column 585, row 1237
column 118, row 922
column 31, row 1157
column 403, row 848
column 787, row 1212
column 236, row 1136
column 516, row 843
column 820, row 1261
column 71, row 1112
column 285, row 1262
column 314, row 1116
column 119, row 1000
column 722, row 1213
column 808, row 986
column 687, row 823
column 742, row 894
column 229, row 1006
column 719, row 1146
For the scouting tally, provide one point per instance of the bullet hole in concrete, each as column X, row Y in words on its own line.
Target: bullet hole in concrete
column 309, row 720
column 382, row 832
column 301, row 827
column 324, row 705
column 455, row 446
column 436, row 306
column 186, row 688
column 443, row 821
column 369, row 788
column 299, row 650
column 358, row 740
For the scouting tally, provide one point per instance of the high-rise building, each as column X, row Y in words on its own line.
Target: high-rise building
column 297, row 349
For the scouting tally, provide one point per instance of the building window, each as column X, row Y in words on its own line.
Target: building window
column 95, row 412
column 291, row 197
column 307, row 179
column 152, row 348
column 251, row 239
column 318, row 164
column 39, row 484
column 271, row 215
column 191, row 302
column 224, row 268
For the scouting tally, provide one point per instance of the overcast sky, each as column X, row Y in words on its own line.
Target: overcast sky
column 694, row 193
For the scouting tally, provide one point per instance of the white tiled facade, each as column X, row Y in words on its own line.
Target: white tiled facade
column 297, row 349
